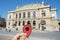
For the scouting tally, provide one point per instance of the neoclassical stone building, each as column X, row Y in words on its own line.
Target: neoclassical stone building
column 39, row 16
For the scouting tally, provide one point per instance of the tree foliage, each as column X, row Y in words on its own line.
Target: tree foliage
column 2, row 22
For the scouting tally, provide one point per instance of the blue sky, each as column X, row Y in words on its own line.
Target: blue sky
column 5, row 5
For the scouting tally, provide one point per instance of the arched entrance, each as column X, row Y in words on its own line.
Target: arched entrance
column 42, row 25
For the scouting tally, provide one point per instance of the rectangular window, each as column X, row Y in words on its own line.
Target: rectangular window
column 20, row 15
column 10, row 17
column 23, row 14
column 9, row 23
column 19, row 23
column 23, row 23
column 28, row 14
column 16, row 23
column 44, row 14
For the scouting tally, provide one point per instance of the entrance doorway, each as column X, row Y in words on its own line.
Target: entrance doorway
column 41, row 27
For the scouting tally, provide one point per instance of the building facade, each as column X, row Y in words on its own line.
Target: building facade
column 39, row 16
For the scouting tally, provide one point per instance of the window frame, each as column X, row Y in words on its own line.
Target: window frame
column 23, row 14
column 19, row 23
column 23, row 23
column 28, row 14
column 19, row 15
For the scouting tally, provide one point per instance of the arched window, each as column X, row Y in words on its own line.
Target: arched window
column 28, row 22
column 34, row 14
column 28, row 14
column 34, row 23
column 19, row 15
column 19, row 23
column 23, row 23
column 23, row 14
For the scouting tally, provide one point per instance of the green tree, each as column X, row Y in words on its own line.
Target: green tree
column 2, row 22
